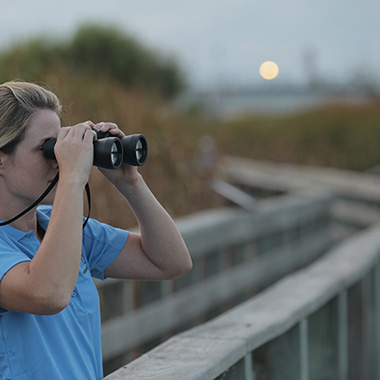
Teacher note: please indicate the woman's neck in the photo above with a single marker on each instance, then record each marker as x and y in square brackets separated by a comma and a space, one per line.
[25, 223]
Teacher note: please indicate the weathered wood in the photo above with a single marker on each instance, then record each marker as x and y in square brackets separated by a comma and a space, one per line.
[268, 316]
[303, 332]
[218, 240]
[323, 340]
[213, 230]
[248, 368]
[342, 338]
[175, 360]
[233, 194]
[300, 293]
[367, 318]
[234, 250]
[359, 215]
[237, 371]
[376, 322]
[146, 323]
[297, 178]
[280, 358]
[355, 333]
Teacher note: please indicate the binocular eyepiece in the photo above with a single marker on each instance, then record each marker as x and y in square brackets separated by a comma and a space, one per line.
[111, 151]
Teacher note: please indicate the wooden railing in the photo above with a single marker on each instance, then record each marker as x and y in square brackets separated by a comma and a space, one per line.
[357, 194]
[235, 254]
[238, 254]
[318, 323]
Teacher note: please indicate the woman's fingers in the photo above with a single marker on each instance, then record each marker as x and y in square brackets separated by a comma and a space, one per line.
[109, 127]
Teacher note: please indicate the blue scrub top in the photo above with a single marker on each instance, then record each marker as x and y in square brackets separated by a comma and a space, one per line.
[64, 346]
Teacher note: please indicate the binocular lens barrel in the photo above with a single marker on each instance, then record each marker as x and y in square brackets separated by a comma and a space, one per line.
[110, 152]
[135, 150]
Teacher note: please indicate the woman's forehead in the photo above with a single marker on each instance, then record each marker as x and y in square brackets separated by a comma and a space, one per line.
[43, 122]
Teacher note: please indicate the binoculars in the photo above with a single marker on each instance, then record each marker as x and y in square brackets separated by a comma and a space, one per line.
[110, 151]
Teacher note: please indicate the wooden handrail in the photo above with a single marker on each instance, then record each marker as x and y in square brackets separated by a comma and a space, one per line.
[217, 232]
[297, 178]
[318, 207]
[209, 350]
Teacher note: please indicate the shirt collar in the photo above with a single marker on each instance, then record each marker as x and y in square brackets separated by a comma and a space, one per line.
[14, 232]
[43, 216]
[42, 219]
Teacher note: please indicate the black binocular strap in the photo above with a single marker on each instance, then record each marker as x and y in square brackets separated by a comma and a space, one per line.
[46, 192]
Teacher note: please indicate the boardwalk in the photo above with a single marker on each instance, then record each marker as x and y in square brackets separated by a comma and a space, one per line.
[287, 290]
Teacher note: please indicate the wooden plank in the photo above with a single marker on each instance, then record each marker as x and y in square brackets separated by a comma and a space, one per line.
[356, 214]
[127, 297]
[237, 371]
[304, 210]
[175, 360]
[279, 359]
[242, 370]
[262, 319]
[323, 342]
[376, 322]
[367, 318]
[233, 194]
[303, 292]
[342, 336]
[355, 333]
[213, 230]
[303, 332]
[248, 368]
[296, 178]
[209, 231]
[125, 332]
[359, 342]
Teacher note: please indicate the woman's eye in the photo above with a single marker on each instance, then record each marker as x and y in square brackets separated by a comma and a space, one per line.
[42, 146]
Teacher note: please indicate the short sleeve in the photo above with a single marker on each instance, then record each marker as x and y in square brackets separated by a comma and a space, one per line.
[9, 260]
[102, 243]
[9, 257]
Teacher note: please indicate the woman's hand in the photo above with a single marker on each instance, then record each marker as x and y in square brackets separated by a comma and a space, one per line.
[75, 152]
[158, 252]
[126, 173]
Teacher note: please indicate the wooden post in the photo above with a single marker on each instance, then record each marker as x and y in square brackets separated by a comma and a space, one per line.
[358, 336]
[342, 336]
[376, 321]
[367, 318]
[324, 334]
[242, 370]
[280, 358]
[304, 349]
[249, 374]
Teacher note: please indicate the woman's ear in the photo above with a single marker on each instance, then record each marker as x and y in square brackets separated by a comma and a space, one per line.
[3, 159]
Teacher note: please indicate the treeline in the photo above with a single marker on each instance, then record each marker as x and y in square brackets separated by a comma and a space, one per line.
[96, 52]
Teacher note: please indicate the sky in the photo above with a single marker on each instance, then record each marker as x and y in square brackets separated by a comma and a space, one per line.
[224, 41]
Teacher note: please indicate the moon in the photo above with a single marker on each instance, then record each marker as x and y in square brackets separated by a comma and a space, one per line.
[269, 70]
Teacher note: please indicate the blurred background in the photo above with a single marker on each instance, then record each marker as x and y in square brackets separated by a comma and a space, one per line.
[287, 82]
[295, 81]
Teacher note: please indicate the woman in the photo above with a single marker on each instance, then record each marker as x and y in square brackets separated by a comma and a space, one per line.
[49, 307]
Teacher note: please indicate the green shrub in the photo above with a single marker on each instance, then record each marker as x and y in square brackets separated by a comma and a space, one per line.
[95, 51]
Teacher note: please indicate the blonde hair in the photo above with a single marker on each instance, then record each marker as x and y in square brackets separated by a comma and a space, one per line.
[18, 102]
